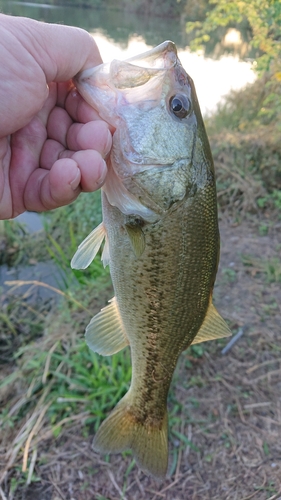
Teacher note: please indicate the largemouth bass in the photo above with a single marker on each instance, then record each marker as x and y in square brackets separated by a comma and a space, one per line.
[161, 240]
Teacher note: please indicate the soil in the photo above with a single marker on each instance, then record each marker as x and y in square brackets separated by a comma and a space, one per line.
[225, 409]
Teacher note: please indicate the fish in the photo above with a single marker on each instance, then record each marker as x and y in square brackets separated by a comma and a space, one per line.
[161, 240]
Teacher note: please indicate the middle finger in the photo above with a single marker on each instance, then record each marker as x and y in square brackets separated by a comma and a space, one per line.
[92, 135]
[79, 110]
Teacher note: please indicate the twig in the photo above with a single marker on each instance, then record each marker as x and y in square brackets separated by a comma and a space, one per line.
[257, 491]
[257, 405]
[233, 341]
[50, 432]
[112, 479]
[276, 497]
[17, 283]
[207, 427]
[251, 496]
[34, 431]
[3, 496]
[170, 485]
[31, 467]
[189, 437]
[268, 362]
[58, 490]
[240, 411]
[180, 454]
[141, 488]
[261, 377]
[156, 493]
[48, 361]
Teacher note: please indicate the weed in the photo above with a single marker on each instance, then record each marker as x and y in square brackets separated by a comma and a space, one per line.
[271, 199]
[72, 223]
[196, 381]
[197, 350]
[64, 381]
[265, 448]
[229, 274]
[270, 267]
[263, 229]
[12, 236]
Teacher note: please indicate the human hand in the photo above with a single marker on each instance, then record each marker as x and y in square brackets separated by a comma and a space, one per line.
[52, 143]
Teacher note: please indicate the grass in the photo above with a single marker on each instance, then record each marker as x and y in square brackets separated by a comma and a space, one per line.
[68, 380]
[58, 381]
[246, 149]
[13, 238]
[270, 267]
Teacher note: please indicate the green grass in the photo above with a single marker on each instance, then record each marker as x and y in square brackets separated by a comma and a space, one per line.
[13, 238]
[71, 380]
[270, 267]
[58, 382]
[82, 217]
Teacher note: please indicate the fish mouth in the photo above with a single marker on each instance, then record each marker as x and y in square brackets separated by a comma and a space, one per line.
[152, 62]
[164, 56]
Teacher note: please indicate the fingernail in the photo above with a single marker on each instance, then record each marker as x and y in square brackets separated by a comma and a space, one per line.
[74, 92]
[76, 181]
[103, 172]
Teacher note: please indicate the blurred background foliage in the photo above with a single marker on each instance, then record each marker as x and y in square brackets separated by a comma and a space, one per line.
[245, 129]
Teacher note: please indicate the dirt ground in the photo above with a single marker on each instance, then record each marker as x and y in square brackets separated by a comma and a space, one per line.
[225, 409]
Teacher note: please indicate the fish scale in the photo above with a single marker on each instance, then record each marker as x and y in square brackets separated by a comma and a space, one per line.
[162, 240]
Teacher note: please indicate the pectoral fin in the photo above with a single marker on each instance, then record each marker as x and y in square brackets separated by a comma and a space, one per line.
[137, 238]
[89, 248]
[105, 257]
[213, 327]
[105, 333]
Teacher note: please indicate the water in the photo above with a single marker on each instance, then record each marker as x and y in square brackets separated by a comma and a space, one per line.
[123, 34]
[34, 284]
[31, 220]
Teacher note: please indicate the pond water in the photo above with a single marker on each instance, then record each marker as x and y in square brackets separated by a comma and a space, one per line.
[121, 35]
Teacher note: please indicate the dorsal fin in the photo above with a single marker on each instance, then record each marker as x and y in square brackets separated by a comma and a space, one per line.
[105, 333]
[213, 327]
[89, 248]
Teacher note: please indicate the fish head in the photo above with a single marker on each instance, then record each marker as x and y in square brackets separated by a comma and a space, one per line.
[151, 102]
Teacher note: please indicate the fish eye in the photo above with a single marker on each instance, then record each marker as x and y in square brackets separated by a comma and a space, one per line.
[180, 106]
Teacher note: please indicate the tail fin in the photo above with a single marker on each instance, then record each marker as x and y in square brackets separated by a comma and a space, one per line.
[121, 431]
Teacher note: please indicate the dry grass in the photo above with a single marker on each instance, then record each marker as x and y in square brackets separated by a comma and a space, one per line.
[247, 169]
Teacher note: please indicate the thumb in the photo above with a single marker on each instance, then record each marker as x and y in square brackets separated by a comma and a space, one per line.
[60, 51]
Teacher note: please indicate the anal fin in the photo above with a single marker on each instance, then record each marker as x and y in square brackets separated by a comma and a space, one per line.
[213, 327]
[105, 333]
